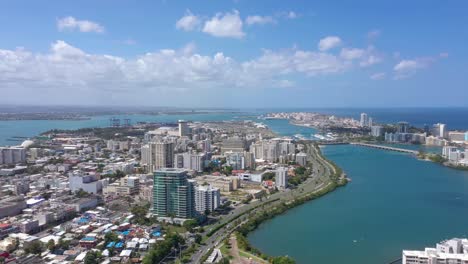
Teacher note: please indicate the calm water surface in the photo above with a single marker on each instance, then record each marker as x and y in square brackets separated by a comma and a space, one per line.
[394, 202]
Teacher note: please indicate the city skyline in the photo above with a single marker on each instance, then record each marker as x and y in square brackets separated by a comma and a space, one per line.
[195, 55]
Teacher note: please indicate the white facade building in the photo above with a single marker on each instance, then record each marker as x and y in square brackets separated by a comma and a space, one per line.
[207, 198]
[453, 251]
[236, 160]
[377, 131]
[191, 161]
[440, 130]
[88, 183]
[301, 159]
[281, 178]
[364, 122]
[184, 130]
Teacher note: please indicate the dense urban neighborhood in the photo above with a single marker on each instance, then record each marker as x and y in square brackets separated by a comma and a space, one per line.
[150, 192]
[185, 192]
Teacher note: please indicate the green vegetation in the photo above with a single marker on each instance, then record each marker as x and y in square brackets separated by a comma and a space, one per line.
[301, 174]
[436, 158]
[337, 175]
[227, 170]
[92, 257]
[247, 200]
[115, 133]
[207, 255]
[215, 229]
[190, 224]
[114, 176]
[81, 194]
[35, 247]
[161, 250]
[268, 176]
[283, 260]
[336, 180]
[51, 245]
[459, 167]
[111, 237]
[140, 213]
[244, 244]
[63, 244]
[187, 253]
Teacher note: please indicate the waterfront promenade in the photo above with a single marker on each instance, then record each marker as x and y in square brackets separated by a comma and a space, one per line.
[385, 147]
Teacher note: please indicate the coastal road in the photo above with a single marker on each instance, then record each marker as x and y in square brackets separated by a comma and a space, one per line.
[321, 173]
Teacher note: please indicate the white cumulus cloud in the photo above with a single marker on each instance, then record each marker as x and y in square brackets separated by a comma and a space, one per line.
[188, 22]
[225, 25]
[378, 76]
[260, 20]
[351, 53]
[70, 23]
[329, 42]
[69, 72]
[408, 67]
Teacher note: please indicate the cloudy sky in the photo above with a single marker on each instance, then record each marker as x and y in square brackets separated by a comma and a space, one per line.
[234, 53]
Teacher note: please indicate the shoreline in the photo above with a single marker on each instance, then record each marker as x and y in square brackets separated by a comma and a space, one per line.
[336, 179]
[424, 158]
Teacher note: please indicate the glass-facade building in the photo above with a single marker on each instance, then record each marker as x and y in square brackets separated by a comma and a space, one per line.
[173, 194]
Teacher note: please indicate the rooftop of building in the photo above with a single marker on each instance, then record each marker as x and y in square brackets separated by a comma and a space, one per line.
[170, 170]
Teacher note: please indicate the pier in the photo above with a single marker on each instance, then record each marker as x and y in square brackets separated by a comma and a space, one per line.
[385, 148]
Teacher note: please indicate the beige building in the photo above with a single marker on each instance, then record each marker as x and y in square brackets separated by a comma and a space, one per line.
[146, 193]
[224, 184]
[125, 187]
[157, 155]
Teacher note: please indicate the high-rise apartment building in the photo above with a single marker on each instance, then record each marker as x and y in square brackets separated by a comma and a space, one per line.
[12, 155]
[377, 131]
[184, 130]
[191, 161]
[157, 155]
[235, 159]
[402, 127]
[234, 144]
[281, 178]
[173, 194]
[207, 198]
[440, 130]
[364, 122]
[301, 159]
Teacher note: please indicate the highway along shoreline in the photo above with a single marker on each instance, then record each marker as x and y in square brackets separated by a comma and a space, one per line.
[325, 177]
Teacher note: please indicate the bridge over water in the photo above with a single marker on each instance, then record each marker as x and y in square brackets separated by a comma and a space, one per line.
[385, 147]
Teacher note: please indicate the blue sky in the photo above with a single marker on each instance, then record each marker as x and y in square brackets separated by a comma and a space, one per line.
[234, 53]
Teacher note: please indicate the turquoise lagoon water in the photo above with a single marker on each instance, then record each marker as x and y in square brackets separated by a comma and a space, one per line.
[393, 202]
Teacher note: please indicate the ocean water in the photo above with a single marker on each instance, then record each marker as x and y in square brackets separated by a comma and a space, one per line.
[393, 202]
[455, 118]
[30, 128]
